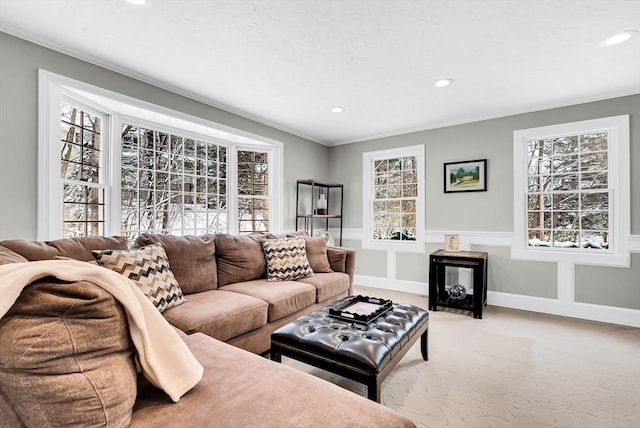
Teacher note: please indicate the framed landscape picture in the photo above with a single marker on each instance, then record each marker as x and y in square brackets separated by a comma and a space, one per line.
[465, 176]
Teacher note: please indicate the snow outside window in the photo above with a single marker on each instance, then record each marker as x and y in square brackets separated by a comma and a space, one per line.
[571, 195]
[393, 199]
[114, 165]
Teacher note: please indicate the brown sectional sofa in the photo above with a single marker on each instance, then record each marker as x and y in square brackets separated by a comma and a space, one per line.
[228, 299]
[223, 278]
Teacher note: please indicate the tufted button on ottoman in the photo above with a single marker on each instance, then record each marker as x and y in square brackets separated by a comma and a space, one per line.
[362, 352]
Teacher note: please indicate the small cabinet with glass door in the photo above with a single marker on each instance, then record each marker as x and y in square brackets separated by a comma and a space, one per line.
[455, 295]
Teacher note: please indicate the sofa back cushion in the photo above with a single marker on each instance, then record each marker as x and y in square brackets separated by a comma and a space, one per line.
[317, 254]
[31, 250]
[240, 258]
[8, 256]
[73, 248]
[80, 248]
[337, 257]
[66, 357]
[192, 259]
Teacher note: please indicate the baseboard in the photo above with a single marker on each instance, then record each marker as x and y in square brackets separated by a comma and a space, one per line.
[601, 313]
[608, 314]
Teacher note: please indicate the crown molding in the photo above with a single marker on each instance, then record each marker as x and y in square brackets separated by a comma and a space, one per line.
[83, 56]
[91, 59]
[502, 114]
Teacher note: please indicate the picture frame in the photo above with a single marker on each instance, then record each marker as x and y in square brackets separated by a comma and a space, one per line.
[465, 176]
[451, 243]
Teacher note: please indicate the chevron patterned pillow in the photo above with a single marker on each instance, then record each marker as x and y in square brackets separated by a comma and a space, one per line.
[148, 267]
[286, 259]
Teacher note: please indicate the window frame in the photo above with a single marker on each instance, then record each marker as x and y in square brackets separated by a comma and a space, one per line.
[141, 123]
[52, 88]
[368, 176]
[252, 196]
[103, 183]
[618, 152]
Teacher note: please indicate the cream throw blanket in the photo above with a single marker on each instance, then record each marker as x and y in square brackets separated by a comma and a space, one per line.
[165, 359]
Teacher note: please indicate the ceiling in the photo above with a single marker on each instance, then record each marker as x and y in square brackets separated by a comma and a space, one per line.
[286, 63]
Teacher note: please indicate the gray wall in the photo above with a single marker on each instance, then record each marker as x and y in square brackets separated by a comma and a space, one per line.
[491, 139]
[492, 211]
[609, 286]
[19, 126]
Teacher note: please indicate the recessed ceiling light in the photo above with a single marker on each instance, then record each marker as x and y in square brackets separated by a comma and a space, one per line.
[443, 83]
[136, 2]
[337, 109]
[618, 38]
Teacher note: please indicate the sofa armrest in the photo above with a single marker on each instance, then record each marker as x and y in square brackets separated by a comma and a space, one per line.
[343, 259]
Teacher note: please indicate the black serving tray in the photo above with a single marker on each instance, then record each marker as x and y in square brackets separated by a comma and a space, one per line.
[361, 309]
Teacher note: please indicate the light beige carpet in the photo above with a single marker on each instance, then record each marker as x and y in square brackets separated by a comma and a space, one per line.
[512, 369]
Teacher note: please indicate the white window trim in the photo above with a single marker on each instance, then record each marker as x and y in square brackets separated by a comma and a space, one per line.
[368, 158]
[52, 86]
[619, 183]
[274, 177]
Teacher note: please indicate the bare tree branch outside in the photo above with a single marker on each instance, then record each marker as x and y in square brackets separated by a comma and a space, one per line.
[568, 195]
[83, 193]
[171, 183]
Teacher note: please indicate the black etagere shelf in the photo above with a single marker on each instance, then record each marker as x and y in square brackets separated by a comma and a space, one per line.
[328, 213]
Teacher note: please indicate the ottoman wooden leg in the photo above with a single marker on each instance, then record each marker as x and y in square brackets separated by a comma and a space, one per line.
[276, 356]
[374, 389]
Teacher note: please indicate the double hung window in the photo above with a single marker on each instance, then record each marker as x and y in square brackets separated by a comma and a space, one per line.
[126, 167]
[171, 183]
[82, 136]
[393, 203]
[253, 191]
[572, 192]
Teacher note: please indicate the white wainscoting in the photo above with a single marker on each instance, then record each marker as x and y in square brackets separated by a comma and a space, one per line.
[564, 305]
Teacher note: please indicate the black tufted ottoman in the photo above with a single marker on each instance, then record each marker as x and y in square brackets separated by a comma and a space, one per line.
[365, 353]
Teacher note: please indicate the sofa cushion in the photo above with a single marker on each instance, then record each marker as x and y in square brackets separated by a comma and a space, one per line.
[8, 414]
[317, 254]
[148, 268]
[219, 314]
[240, 389]
[286, 259]
[240, 258]
[328, 285]
[66, 358]
[337, 257]
[31, 250]
[284, 297]
[74, 248]
[192, 259]
[81, 248]
[8, 256]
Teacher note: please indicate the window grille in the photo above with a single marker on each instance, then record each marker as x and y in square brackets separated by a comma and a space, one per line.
[171, 183]
[567, 192]
[253, 191]
[395, 191]
[83, 212]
